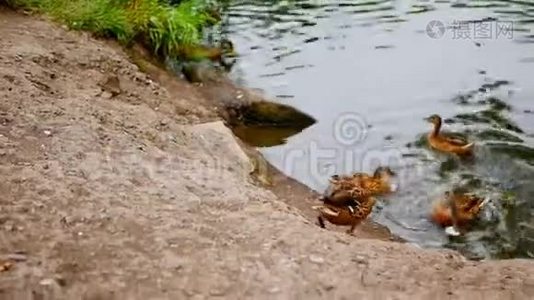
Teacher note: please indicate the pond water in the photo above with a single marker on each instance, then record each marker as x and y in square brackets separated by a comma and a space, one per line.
[370, 71]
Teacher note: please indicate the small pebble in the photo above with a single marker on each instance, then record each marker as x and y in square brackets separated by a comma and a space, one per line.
[360, 259]
[16, 257]
[47, 281]
[316, 259]
[47, 132]
[60, 280]
[217, 292]
[106, 95]
[329, 287]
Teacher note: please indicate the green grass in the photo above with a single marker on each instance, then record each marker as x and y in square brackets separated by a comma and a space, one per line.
[162, 27]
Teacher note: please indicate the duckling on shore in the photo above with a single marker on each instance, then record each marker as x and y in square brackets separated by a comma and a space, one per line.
[456, 210]
[445, 142]
[344, 191]
[345, 216]
[360, 185]
[349, 199]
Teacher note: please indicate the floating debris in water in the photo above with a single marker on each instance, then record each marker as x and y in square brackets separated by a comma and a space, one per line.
[498, 135]
[489, 116]
[280, 56]
[448, 165]
[311, 40]
[285, 96]
[295, 67]
[498, 104]
[272, 74]
[514, 150]
[419, 8]
[384, 47]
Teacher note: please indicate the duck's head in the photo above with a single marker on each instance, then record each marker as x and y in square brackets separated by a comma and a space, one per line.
[447, 196]
[434, 119]
[450, 195]
[383, 173]
[227, 47]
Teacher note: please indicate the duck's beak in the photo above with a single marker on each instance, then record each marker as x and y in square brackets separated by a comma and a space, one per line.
[486, 200]
[452, 231]
[231, 54]
[427, 119]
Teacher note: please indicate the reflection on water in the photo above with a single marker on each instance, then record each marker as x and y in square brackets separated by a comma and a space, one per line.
[390, 64]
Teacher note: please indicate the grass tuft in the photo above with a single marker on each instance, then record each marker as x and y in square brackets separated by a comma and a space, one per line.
[162, 26]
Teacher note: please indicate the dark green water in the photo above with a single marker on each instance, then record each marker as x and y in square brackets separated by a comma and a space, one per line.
[370, 71]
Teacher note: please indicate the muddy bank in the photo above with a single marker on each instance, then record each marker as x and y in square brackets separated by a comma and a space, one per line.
[143, 194]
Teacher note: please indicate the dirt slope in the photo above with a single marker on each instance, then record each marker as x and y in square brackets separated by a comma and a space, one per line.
[124, 197]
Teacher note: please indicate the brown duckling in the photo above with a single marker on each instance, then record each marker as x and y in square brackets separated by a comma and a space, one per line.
[378, 184]
[344, 191]
[342, 187]
[215, 54]
[456, 210]
[214, 15]
[201, 71]
[445, 142]
[344, 216]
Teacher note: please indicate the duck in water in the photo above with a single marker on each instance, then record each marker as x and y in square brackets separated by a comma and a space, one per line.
[445, 142]
[456, 211]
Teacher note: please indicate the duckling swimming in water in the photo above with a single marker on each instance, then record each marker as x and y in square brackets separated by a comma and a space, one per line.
[445, 142]
[456, 210]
